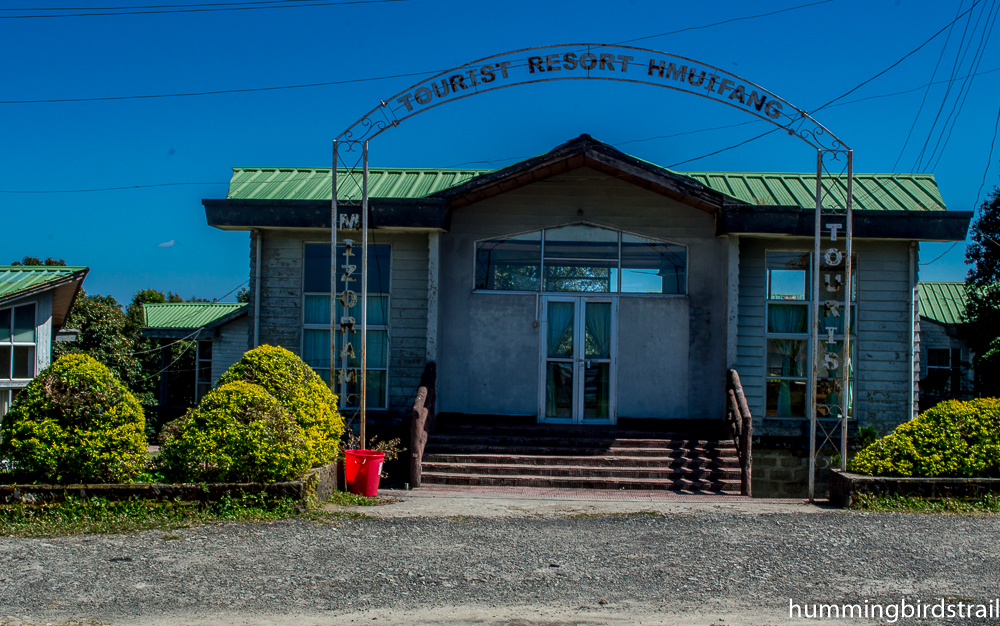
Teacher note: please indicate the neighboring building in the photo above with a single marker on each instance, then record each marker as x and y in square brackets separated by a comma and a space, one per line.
[588, 289]
[945, 361]
[34, 304]
[219, 333]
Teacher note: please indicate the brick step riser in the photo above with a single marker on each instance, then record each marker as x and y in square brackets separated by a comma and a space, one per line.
[566, 431]
[433, 447]
[728, 487]
[581, 472]
[580, 442]
[586, 461]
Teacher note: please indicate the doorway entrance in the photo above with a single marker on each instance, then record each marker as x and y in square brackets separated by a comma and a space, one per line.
[578, 358]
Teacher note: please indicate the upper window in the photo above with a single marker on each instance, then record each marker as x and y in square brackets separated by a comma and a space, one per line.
[581, 258]
[17, 342]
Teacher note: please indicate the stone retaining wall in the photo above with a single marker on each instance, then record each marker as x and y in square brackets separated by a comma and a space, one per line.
[844, 487]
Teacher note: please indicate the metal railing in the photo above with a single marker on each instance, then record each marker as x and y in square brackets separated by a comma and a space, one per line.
[422, 424]
[741, 426]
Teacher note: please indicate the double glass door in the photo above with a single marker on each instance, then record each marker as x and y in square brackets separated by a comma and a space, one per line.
[577, 355]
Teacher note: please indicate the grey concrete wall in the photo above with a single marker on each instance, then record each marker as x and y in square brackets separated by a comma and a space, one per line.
[229, 346]
[281, 300]
[883, 333]
[653, 375]
[501, 375]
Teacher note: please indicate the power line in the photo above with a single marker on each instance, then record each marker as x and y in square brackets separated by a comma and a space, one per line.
[161, 11]
[938, 257]
[154, 6]
[928, 90]
[359, 80]
[988, 160]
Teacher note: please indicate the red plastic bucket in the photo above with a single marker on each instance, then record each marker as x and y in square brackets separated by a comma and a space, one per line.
[363, 470]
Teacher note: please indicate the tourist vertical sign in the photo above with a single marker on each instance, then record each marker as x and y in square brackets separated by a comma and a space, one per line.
[831, 366]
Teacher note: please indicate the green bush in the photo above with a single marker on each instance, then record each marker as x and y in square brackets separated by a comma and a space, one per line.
[75, 422]
[952, 439]
[300, 391]
[239, 433]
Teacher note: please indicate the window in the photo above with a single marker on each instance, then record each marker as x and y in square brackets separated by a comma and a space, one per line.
[316, 321]
[581, 258]
[17, 342]
[204, 369]
[6, 399]
[787, 336]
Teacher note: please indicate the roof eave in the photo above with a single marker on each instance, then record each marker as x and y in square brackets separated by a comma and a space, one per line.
[795, 221]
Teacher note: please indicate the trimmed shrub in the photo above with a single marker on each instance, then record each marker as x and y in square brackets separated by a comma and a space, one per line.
[300, 391]
[75, 422]
[239, 433]
[952, 439]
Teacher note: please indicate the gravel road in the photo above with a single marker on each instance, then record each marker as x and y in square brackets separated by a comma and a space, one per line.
[725, 567]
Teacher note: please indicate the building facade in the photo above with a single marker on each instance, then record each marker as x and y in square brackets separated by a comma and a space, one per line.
[586, 287]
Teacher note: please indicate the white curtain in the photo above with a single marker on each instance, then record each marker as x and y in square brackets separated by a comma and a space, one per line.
[598, 321]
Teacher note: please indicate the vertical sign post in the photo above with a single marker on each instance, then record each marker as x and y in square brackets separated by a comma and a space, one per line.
[364, 288]
[333, 278]
[831, 365]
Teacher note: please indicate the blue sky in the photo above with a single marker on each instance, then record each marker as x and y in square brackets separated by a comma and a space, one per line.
[157, 236]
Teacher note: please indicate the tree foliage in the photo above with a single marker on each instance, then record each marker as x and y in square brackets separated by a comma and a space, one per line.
[35, 261]
[983, 286]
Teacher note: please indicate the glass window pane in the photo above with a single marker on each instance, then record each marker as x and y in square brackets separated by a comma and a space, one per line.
[560, 329]
[511, 264]
[317, 267]
[559, 389]
[317, 310]
[205, 372]
[650, 266]
[829, 320]
[786, 398]
[939, 358]
[596, 390]
[5, 362]
[786, 357]
[5, 317]
[24, 323]
[581, 242]
[24, 362]
[205, 350]
[378, 311]
[378, 349]
[787, 318]
[830, 359]
[375, 384]
[597, 331]
[786, 275]
[586, 276]
[316, 348]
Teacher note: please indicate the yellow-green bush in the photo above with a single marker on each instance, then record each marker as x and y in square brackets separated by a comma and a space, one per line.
[952, 439]
[300, 391]
[239, 433]
[75, 422]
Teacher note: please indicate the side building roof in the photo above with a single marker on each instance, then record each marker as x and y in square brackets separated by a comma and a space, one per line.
[943, 302]
[191, 320]
[18, 282]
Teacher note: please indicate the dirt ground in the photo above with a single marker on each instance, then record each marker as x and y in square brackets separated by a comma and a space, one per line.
[501, 558]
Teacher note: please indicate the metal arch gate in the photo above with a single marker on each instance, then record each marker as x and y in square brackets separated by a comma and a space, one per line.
[830, 395]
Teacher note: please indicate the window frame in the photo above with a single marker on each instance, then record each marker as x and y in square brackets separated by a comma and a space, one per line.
[9, 382]
[806, 336]
[387, 326]
[542, 264]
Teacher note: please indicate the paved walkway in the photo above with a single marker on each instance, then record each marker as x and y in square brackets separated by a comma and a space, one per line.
[455, 501]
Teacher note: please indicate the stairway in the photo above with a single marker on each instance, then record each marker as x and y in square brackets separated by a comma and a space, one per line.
[636, 454]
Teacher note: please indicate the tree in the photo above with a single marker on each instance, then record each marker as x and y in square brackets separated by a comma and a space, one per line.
[983, 286]
[243, 295]
[34, 261]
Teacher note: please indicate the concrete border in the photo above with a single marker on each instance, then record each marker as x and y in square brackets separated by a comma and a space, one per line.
[844, 487]
[317, 484]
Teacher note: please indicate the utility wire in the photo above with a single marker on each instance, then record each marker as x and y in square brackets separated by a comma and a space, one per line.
[359, 80]
[938, 257]
[153, 6]
[161, 11]
[989, 160]
[928, 89]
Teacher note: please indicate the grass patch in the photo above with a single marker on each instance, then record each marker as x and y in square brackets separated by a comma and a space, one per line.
[100, 516]
[346, 498]
[988, 504]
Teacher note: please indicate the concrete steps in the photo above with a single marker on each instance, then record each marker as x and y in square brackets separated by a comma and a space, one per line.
[588, 457]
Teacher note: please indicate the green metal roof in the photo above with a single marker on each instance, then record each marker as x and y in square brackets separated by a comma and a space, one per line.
[943, 302]
[188, 314]
[879, 192]
[304, 183]
[14, 279]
